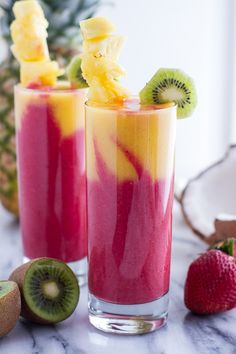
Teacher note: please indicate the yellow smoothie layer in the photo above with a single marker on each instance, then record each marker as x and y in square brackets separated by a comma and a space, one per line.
[67, 106]
[106, 127]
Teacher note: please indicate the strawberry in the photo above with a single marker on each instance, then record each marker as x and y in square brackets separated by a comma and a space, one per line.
[211, 281]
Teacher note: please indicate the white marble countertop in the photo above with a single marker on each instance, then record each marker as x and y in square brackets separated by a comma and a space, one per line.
[184, 333]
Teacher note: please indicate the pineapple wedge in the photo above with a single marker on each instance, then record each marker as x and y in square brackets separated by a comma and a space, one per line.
[101, 50]
[42, 73]
[109, 92]
[23, 9]
[29, 32]
[96, 27]
[29, 35]
[30, 45]
[109, 47]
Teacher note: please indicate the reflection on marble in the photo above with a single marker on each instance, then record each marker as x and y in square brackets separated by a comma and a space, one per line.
[184, 334]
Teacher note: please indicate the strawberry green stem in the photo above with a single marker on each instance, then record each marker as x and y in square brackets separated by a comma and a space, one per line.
[226, 246]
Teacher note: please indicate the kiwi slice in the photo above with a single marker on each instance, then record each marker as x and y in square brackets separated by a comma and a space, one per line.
[10, 306]
[49, 290]
[171, 85]
[74, 73]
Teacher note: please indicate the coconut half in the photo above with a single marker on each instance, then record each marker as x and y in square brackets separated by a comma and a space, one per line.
[208, 201]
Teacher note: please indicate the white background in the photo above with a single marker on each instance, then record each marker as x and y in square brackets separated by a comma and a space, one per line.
[198, 37]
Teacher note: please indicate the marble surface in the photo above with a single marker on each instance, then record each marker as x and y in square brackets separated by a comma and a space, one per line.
[184, 334]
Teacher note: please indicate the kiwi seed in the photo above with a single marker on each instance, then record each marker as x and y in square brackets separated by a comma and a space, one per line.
[10, 306]
[49, 290]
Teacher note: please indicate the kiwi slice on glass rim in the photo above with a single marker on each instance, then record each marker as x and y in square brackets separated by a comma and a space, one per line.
[74, 73]
[49, 290]
[171, 85]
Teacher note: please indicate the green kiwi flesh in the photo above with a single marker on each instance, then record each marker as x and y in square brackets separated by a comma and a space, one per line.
[10, 306]
[74, 73]
[49, 290]
[171, 85]
[6, 287]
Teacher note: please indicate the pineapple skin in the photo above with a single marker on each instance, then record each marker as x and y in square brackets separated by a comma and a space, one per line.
[64, 41]
[8, 170]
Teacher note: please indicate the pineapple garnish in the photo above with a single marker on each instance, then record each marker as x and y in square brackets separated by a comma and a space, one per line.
[96, 27]
[40, 72]
[101, 49]
[29, 35]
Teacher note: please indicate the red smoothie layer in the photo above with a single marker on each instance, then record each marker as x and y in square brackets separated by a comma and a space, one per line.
[52, 186]
[130, 229]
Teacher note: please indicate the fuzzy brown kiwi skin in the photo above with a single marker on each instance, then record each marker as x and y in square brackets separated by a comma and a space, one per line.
[18, 276]
[10, 307]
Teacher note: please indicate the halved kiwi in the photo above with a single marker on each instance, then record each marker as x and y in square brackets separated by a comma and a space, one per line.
[74, 73]
[171, 85]
[10, 306]
[49, 290]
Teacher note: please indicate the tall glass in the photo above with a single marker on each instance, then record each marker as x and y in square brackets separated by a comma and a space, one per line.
[129, 158]
[51, 174]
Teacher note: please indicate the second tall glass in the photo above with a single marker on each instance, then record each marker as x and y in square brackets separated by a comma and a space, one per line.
[130, 175]
[51, 174]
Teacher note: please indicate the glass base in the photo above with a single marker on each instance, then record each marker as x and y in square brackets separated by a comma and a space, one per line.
[80, 268]
[128, 319]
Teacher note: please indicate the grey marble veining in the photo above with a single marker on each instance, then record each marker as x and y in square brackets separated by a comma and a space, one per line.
[184, 334]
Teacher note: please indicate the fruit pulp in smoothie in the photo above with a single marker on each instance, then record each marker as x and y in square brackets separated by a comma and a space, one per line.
[130, 153]
[52, 182]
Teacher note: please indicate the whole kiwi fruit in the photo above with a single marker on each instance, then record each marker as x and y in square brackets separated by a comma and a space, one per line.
[10, 306]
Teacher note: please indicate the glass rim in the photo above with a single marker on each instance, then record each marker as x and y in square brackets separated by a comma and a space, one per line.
[54, 90]
[126, 109]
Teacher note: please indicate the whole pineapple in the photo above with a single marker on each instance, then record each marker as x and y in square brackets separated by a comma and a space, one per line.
[64, 41]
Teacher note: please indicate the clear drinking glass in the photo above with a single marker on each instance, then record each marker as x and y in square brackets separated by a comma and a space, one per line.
[130, 175]
[51, 174]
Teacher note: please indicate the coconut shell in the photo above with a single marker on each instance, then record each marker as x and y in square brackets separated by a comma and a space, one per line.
[224, 229]
[215, 189]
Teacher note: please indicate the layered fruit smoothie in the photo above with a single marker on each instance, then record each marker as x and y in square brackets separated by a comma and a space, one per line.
[50, 146]
[52, 183]
[130, 146]
[130, 153]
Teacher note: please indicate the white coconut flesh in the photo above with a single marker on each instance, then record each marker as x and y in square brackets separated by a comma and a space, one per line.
[211, 195]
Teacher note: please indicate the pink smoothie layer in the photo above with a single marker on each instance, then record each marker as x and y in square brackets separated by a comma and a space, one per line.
[52, 187]
[130, 229]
